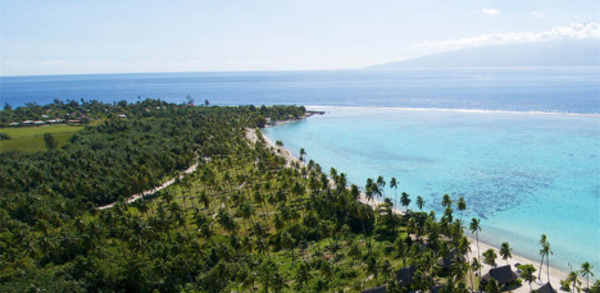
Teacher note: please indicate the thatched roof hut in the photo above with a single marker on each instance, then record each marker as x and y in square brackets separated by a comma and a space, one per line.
[546, 288]
[405, 276]
[502, 275]
[380, 289]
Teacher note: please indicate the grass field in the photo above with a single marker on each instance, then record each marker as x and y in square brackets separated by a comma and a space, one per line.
[31, 139]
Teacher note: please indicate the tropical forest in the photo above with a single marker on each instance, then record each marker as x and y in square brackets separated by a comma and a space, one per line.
[159, 197]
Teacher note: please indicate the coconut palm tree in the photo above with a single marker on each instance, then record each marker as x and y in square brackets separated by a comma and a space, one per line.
[542, 242]
[381, 184]
[405, 200]
[586, 271]
[462, 205]
[527, 274]
[572, 279]
[420, 202]
[394, 185]
[505, 250]
[474, 227]
[446, 201]
[303, 275]
[546, 252]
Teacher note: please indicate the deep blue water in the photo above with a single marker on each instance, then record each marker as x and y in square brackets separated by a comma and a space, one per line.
[566, 90]
[478, 133]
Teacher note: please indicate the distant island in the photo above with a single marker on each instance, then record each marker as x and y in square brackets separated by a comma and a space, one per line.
[544, 54]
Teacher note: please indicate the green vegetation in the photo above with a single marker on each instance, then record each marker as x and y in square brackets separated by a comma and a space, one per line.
[31, 139]
[242, 222]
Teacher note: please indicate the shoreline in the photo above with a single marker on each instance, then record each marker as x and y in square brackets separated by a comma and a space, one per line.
[556, 274]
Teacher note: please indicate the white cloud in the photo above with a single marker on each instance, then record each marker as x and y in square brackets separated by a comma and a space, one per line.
[490, 11]
[573, 31]
[537, 14]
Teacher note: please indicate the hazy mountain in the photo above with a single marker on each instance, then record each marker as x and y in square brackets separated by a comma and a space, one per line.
[562, 53]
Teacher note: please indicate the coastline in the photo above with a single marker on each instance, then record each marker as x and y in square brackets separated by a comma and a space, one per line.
[556, 275]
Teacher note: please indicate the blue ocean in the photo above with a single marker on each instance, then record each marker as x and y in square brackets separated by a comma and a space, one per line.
[521, 145]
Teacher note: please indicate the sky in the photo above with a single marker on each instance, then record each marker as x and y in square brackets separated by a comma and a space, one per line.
[84, 36]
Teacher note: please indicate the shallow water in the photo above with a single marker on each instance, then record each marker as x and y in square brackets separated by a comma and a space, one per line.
[522, 174]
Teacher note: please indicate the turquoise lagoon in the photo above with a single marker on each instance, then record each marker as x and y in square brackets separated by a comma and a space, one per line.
[522, 173]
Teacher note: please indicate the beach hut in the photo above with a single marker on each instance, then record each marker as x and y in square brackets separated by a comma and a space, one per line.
[380, 289]
[502, 275]
[546, 288]
[405, 276]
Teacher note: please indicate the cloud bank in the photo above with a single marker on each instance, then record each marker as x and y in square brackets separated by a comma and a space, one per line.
[491, 11]
[574, 31]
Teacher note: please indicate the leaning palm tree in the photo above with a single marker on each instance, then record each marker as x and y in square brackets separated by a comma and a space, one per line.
[474, 227]
[505, 251]
[586, 271]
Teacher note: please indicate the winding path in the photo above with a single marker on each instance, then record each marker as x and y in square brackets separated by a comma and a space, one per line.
[166, 184]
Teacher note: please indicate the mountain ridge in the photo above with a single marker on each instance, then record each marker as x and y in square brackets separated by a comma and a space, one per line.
[543, 54]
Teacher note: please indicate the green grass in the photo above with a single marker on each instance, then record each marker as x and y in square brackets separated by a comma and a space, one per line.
[31, 139]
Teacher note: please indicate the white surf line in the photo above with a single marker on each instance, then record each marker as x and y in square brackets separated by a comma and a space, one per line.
[457, 110]
[166, 184]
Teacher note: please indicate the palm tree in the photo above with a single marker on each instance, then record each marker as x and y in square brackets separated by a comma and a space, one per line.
[394, 185]
[475, 266]
[527, 274]
[474, 227]
[405, 200]
[542, 242]
[505, 250]
[446, 201]
[381, 183]
[303, 274]
[420, 202]
[545, 252]
[548, 252]
[401, 249]
[462, 205]
[586, 271]
[572, 278]
[376, 190]
[489, 257]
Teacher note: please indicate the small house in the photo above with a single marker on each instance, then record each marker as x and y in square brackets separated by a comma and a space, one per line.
[406, 275]
[502, 275]
[380, 289]
[546, 288]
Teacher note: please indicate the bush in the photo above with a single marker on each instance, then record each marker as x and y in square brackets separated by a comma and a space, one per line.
[565, 285]
[4, 136]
